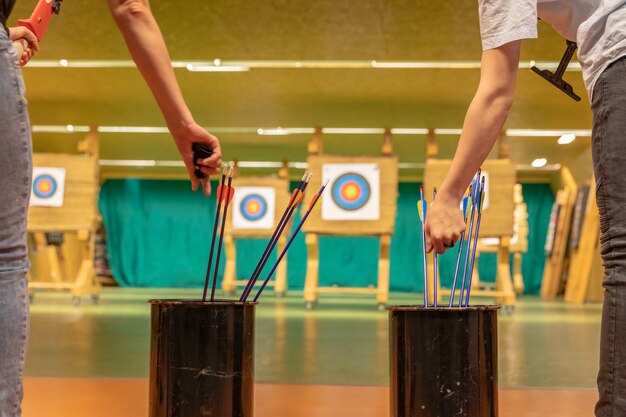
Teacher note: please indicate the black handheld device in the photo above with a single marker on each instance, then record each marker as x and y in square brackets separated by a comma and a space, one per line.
[556, 78]
[200, 151]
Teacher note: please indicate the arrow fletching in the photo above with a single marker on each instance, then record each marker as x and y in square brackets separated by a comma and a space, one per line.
[420, 211]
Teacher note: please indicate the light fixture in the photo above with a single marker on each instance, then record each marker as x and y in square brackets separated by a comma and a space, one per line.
[539, 163]
[566, 138]
[216, 68]
[546, 132]
[287, 64]
[273, 132]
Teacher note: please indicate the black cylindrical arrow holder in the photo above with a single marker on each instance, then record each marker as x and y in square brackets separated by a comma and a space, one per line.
[443, 361]
[201, 358]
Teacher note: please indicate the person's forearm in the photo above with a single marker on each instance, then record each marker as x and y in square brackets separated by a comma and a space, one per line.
[484, 119]
[147, 47]
[483, 124]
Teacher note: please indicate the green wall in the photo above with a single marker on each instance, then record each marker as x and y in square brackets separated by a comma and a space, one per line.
[159, 233]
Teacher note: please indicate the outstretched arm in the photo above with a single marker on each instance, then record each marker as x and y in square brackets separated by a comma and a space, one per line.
[147, 47]
[483, 123]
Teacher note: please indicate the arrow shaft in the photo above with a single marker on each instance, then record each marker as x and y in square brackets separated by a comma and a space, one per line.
[266, 251]
[221, 241]
[291, 239]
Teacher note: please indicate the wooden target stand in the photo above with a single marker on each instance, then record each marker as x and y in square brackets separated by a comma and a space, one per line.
[280, 184]
[584, 280]
[518, 243]
[556, 262]
[497, 219]
[383, 228]
[67, 266]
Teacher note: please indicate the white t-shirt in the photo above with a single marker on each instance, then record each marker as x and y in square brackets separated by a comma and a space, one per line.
[597, 26]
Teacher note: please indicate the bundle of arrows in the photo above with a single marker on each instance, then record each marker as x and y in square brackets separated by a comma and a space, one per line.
[472, 209]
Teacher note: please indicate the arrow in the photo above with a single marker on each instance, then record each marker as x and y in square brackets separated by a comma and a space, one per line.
[217, 217]
[296, 198]
[435, 260]
[422, 208]
[293, 236]
[471, 228]
[229, 191]
[466, 207]
[481, 199]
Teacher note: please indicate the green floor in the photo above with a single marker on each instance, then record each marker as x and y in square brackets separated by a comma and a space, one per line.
[343, 341]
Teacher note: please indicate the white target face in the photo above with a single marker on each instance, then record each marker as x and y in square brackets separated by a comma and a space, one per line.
[48, 187]
[254, 208]
[353, 192]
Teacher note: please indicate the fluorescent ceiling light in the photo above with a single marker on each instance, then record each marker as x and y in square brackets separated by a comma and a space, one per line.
[273, 132]
[353, 131]
[545, 133]
[59, 129]
[127, 162]
[409, 131]
[566, 138]
[149, 163]
[448, 131]
[132, 129]
[280, 131]
[539, 163]
[217, 68]
[259, 164]
[211, 66]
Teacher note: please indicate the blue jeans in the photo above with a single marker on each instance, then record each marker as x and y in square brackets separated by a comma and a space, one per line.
[15, 179]
[609, 160]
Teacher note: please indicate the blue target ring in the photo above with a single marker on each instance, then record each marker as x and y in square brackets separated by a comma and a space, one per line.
[351, 191]
[44, 186]
[253, 207]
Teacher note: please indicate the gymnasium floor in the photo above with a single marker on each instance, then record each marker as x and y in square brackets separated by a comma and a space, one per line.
[308, 363]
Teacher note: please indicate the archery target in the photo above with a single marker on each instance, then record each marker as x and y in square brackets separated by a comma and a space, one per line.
[48, 187]
[354, 192]
[254, 208]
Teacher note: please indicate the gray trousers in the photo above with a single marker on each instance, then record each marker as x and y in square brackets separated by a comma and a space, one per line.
[609, 160]
[15, 178]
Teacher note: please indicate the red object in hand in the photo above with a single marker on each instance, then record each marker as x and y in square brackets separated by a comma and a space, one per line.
[39, 20]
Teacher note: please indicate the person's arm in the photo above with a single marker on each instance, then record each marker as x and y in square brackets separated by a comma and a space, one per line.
[147, 47]
[483, 123]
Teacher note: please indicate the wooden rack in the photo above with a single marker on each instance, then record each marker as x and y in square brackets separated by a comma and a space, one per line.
[383, 227]
[62, 239]
[280, 184]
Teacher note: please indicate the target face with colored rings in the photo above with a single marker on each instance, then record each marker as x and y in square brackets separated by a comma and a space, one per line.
[351, 191]
[44, 186]
[253, 207]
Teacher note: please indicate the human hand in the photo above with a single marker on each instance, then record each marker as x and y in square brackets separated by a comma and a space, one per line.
[444, 223]
[25, 43]
[209, 166]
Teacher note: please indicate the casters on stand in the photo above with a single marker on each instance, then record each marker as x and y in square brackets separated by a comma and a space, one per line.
[382, 306]
[509, 309]
[310, 305]
[95, 298]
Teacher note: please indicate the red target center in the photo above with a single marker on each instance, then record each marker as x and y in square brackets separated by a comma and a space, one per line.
[351, 191]
[253, 207]
[44, 186]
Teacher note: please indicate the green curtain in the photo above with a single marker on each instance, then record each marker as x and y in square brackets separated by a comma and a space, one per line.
[158, 235]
